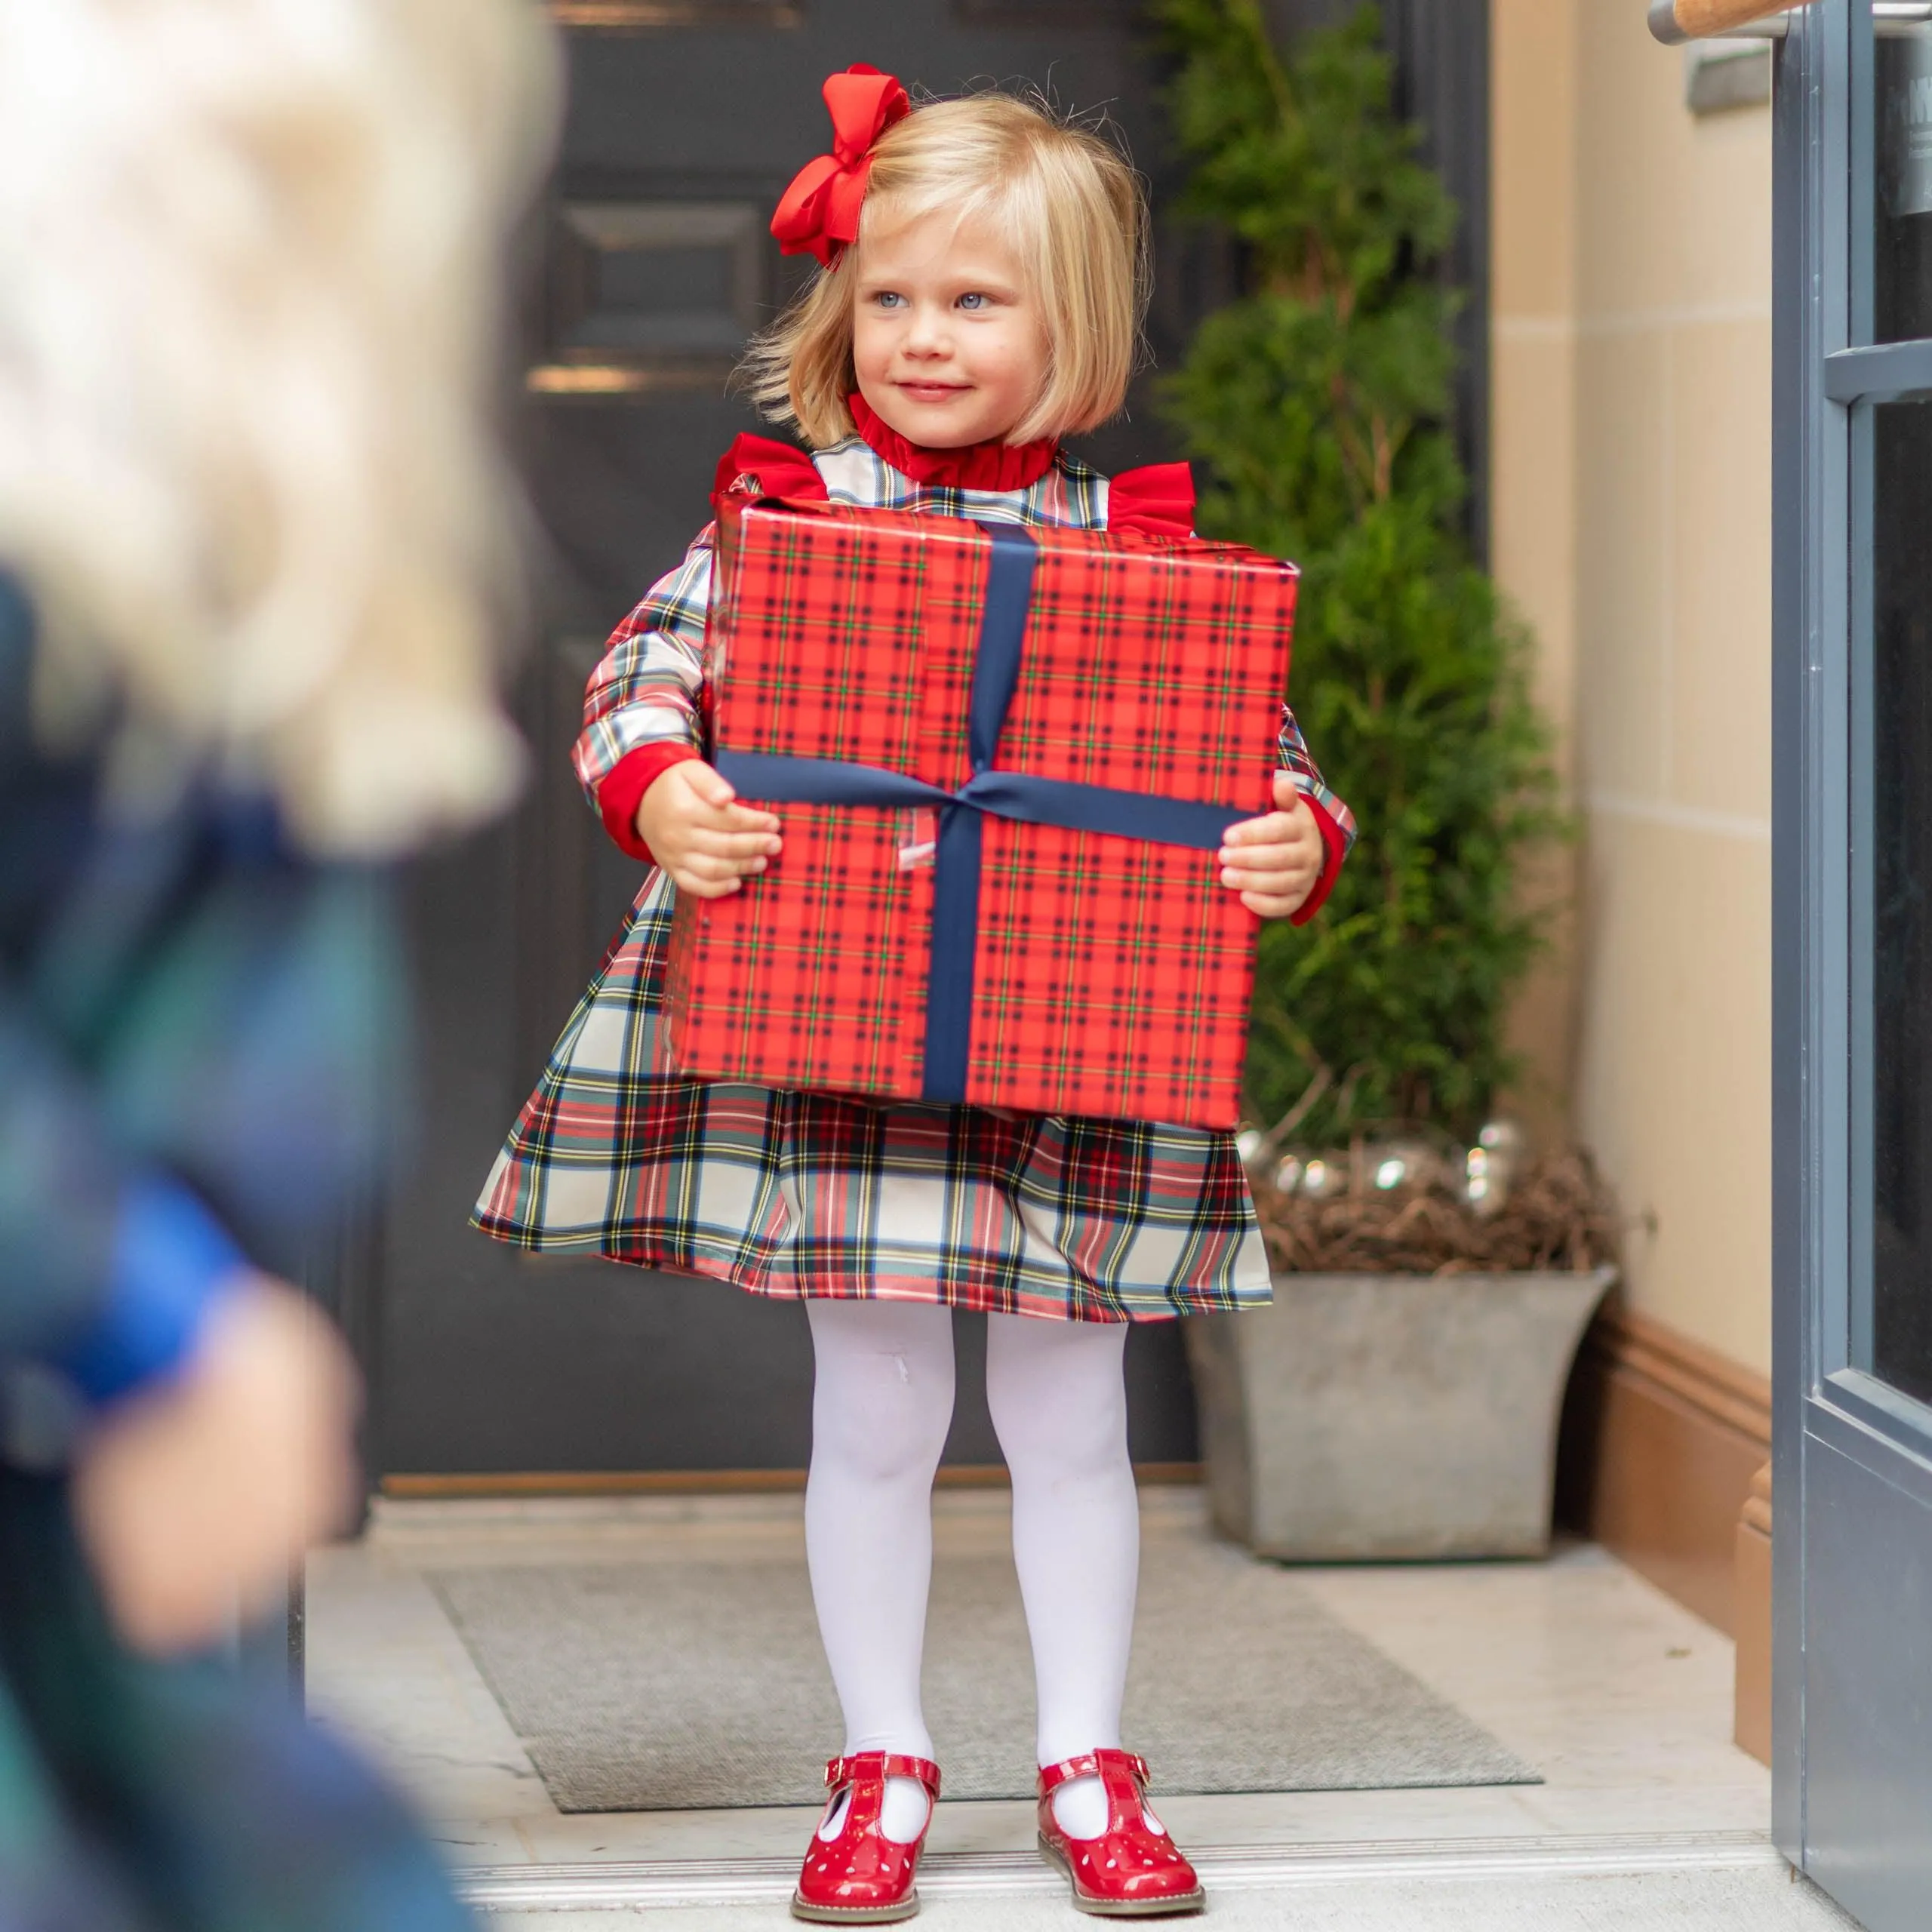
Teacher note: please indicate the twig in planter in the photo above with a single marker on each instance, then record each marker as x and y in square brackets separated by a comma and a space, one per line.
[1345, 1101]
[1296, 1114]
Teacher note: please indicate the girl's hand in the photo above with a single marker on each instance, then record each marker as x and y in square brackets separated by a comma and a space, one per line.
[1273, 863]
[700, 835]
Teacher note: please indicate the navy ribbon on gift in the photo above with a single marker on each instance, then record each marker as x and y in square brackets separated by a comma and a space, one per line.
[774, 778]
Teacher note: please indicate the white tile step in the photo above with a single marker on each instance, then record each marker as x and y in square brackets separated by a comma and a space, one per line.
[1693, 1881]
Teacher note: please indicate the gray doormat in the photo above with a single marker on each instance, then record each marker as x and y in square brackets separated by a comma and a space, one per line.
[668, 1687]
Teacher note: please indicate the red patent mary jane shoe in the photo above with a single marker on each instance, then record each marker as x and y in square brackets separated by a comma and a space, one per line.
[861, 1877]
[1131, 1871]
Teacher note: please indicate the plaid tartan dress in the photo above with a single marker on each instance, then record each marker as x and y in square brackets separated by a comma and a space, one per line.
[793, 1194]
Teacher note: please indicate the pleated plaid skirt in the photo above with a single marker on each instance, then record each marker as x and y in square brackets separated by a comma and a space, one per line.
[800, 1194]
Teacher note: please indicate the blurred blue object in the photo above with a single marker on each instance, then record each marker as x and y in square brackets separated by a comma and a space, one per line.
[170, 1257]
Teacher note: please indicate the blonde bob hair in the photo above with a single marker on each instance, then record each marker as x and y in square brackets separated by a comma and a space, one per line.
[250, 253]
[1075, 214]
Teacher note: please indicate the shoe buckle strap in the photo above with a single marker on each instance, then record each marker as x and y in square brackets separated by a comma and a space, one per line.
[1092, 1765]
[882, 1765]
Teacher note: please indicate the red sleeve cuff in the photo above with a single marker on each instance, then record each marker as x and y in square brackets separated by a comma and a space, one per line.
[1336, 849]
[623, 789]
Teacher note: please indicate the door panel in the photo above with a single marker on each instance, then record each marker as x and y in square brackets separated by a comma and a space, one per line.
[1869, 1740]
[1902, 189]
[1892, 1322]
[666, 287]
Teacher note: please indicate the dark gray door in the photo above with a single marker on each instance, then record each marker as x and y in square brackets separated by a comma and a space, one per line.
[686, 119]
[1853, 780]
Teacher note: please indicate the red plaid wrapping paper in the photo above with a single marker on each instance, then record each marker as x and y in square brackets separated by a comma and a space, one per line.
[1113, 975]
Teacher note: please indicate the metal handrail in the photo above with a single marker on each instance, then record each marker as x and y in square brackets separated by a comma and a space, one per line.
[1674, 21]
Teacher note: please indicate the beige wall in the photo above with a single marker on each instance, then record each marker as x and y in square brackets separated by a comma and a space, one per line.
[1632, 511]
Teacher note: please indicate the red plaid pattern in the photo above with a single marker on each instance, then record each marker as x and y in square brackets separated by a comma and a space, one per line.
[792, 1194]
[1113, 975]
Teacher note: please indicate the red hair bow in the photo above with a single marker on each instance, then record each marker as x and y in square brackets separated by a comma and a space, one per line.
[819, 213]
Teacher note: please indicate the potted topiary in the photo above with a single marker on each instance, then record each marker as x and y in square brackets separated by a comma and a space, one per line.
[1401, 1399]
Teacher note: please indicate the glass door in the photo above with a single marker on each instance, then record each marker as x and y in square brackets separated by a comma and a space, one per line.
[1853, 973]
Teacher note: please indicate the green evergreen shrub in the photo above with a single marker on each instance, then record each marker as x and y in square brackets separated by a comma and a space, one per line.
[1320, 405]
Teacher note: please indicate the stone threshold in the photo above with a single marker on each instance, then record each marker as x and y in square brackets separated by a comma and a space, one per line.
[726, 1881]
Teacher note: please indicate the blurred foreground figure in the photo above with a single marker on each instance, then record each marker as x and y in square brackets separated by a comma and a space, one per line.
[250, 513]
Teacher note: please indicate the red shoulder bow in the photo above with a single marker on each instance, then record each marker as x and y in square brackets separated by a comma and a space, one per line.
[819, 213]
[779, 469]
[1157, 500]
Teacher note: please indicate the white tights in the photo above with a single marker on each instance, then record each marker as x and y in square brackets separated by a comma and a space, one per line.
[881, 1406]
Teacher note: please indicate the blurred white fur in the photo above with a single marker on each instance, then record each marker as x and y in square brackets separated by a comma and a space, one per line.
[249, 259]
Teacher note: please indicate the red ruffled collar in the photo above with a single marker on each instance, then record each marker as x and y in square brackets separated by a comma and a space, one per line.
[978, 466]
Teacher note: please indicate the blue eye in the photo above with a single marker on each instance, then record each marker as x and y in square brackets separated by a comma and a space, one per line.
[886, 298]
[974, 301]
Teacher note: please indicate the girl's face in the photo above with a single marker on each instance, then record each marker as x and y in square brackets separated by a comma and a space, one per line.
[947, 339]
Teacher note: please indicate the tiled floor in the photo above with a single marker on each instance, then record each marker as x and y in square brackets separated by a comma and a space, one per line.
[1648, 1817]
[1621, 1698]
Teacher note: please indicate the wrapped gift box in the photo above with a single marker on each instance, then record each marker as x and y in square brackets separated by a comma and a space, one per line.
[1004, 757]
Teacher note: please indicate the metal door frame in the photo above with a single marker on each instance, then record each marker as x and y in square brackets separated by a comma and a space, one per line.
[1805, 856]
[1825, 385]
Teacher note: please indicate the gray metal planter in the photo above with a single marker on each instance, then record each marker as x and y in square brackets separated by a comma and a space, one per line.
[1380, 1416]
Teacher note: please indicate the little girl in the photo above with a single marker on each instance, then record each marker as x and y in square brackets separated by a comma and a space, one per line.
[982, 275]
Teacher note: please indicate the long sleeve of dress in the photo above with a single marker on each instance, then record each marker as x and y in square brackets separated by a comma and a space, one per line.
[1332, 819]
[642, 710]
